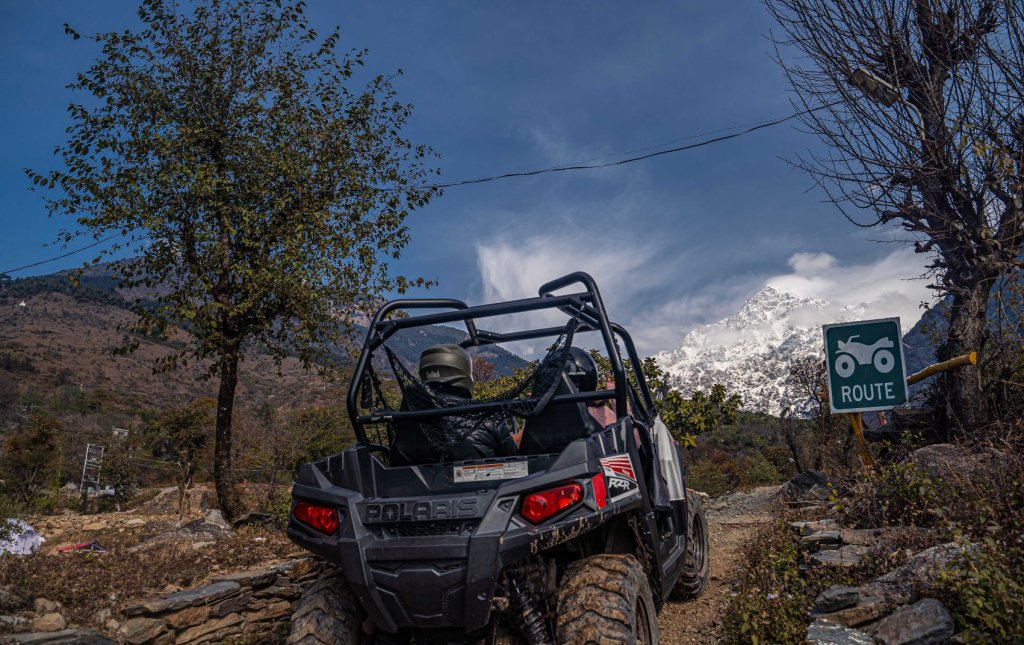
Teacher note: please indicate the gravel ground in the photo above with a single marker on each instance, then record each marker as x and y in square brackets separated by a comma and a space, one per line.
[732, 520]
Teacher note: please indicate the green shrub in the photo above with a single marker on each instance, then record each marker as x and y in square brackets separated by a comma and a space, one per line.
[899, 495]
[713, 477]
[758, 471]
[771, 602]
[985, 588]
[279, 505]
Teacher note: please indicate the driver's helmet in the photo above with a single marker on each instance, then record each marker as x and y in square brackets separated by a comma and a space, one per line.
[448, 369]
[582, 370]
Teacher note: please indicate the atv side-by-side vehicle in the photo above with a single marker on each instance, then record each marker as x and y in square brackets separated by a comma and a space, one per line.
[580, 536]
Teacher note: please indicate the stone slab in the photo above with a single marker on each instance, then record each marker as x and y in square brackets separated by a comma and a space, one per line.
[824, 632]
[926, 622]
[187, 598]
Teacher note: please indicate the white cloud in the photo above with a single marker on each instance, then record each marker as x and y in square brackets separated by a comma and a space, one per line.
[512, 270]
[640, 293]
[891, 286]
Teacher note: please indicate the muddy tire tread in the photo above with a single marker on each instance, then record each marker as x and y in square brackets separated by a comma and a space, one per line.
[326, 614]
[596, 600]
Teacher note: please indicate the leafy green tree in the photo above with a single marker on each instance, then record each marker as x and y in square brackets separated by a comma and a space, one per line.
[317, 433]
[32, 460]
[262, 194]
[120, 469]
[688, 417]
[183, 435]
[684, 417]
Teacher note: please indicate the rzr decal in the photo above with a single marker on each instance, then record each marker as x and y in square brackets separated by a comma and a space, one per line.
[620, 465]
[620, 476]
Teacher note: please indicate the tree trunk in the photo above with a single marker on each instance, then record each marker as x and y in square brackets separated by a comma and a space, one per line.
[968, 332]
[222, 476]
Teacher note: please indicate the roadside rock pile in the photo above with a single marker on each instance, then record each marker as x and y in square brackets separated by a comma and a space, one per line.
[892, 609]
[249, 603]
[255, 605]
[45, 620]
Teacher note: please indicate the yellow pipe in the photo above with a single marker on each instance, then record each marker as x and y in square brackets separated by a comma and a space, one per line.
[959, 361]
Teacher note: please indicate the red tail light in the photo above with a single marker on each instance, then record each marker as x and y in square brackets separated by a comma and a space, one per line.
[541, 505]
[322, 518]
[600, 490]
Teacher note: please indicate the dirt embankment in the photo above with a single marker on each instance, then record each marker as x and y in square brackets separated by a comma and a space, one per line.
[732, 521]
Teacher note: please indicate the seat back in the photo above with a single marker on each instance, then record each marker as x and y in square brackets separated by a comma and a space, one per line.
[409, 444]
[558, 424]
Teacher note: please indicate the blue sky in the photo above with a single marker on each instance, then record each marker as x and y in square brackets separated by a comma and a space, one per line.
[675, 241]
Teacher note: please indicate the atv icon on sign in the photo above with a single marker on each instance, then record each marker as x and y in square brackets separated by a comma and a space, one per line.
[876, 354]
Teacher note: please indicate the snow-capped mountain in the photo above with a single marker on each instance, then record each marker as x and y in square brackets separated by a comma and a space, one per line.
[749, 352]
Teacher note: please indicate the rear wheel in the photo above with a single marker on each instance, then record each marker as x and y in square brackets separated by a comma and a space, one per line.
[693, 579]
[606, 598]
[327, 614]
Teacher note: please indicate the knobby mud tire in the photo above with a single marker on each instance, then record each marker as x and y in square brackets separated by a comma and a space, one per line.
[606, 599]
[327, 614]
[693, 578]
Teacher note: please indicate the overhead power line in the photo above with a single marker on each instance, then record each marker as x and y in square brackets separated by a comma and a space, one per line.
[574, 166]
[64, 255]
[589, 166]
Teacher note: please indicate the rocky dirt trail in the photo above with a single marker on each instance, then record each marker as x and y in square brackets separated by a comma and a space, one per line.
[732, 521]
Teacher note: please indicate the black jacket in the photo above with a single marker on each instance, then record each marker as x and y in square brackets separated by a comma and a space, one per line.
[411, 445]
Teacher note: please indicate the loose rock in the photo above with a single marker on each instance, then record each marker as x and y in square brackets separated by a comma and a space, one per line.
[64, 637]
[847, 555]
[142, 630]
[923, 623]
[187, 598]
[215, 518]
[836, 598]
[50, 622]
[823, 632]
[921, 569]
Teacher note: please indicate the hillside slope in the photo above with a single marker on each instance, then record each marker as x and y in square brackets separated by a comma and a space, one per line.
[52, 331]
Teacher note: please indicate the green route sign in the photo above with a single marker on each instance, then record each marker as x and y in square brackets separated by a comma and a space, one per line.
[866, 370]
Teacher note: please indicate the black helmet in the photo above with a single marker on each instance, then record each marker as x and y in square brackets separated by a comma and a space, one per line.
[448, 365]
[582, 370]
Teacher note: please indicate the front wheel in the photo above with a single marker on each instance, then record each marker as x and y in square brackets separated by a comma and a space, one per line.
[606, 599]
[693, 578]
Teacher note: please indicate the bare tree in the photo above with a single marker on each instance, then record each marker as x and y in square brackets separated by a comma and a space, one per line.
[919, 103]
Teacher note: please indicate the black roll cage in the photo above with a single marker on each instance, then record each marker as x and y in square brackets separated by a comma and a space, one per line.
[586, 307]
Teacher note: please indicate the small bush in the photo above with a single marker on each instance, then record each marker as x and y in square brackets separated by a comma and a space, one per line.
[985, 588]
[771, 601]
[279, 505]
[713, 477]
[898, 495]
[758, 471]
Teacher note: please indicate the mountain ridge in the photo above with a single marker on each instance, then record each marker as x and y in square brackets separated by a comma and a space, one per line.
[750, 351]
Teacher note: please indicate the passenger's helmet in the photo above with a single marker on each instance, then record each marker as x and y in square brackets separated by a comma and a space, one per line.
[582, 370]
[449, 366]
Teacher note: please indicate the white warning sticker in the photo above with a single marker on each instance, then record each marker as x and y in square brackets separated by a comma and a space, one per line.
[491, 472]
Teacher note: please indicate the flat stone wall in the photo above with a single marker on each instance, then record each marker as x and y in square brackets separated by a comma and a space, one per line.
[250, 606]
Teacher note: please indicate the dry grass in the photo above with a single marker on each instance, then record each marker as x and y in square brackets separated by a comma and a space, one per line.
[87, 583]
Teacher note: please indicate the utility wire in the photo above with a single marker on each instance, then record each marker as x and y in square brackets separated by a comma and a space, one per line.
[580, 165]
[65, 255]
[621, 162]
